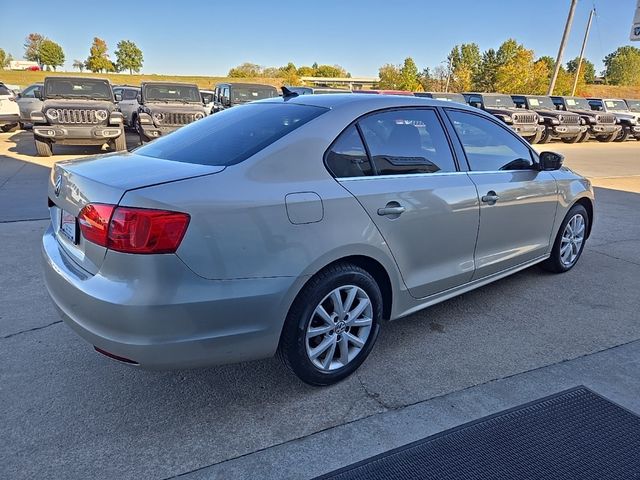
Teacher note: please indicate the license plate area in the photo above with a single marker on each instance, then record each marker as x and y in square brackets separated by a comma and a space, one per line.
[69, 227]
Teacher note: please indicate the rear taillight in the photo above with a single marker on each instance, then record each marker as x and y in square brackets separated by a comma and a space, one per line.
[133, 230]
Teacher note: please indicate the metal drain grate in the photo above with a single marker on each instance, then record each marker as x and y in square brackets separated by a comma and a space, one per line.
[575, 434]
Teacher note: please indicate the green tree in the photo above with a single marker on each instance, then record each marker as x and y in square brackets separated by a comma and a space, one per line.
[587, 69]
[409, 78]
[246, 70]
[98, 59]
[5, 58]
[390, 77]
[79, 64]
[465, 62]
[623, 66]
[485, 78]
[549, 62]
[306, 71]
[32, 46]
[330, 71]
[128, 56]
[51, 54]
[289, 74]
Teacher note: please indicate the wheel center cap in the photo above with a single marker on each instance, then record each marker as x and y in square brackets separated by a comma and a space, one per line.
[341, 326]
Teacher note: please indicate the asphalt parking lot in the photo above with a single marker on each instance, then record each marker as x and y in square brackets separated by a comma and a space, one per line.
[67, 412]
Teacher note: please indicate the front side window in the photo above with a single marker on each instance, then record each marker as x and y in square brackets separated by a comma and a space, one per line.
[233, 135]
[30, 92]
[488, 146]
[348, 157]
[407, 141]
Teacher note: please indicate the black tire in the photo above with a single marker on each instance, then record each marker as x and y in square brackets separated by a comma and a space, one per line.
[546, 136]
[554, 263]
[607, 138]
[10, 128]
[575, 139]
[43, 147]
[622, 136]
[120, 143]
[584, 137]
[292, 348]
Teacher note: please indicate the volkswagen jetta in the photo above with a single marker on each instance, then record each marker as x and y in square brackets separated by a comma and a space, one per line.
[296, 225]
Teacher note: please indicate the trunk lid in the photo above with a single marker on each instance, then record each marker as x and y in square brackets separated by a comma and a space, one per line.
[105, 179]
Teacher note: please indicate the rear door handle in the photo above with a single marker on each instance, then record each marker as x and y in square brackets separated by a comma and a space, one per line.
[491, 197]
[391, 210]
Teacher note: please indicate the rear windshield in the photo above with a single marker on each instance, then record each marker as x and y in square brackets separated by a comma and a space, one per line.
[233, 135]
[90, 88]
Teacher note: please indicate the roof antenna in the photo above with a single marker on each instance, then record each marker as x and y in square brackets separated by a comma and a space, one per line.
[286, 93]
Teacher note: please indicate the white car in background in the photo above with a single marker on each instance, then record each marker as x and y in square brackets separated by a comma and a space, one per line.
[28, 102]
[207, 100]
[127, 99]
[9, 112]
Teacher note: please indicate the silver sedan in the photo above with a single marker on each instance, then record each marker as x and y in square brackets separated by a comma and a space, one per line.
[296, 225]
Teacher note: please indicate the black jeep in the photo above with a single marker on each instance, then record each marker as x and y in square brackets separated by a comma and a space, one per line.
[528, 124]
[566, 126]
[231, 94]
[77, 111]
[602, 126]
[165, 107]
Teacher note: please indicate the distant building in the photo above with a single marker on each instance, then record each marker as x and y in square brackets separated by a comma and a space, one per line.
[23, 65]
[354, 83]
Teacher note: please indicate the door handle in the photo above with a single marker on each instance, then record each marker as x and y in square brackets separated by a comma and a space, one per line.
[391, 210]
[491, 197]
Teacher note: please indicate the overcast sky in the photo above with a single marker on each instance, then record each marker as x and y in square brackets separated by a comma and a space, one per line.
[208, 37]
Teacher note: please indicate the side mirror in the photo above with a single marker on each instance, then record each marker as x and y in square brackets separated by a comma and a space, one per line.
[550, 161]
[139, 98]
[118, 97]
[475, 104]
[38, 94]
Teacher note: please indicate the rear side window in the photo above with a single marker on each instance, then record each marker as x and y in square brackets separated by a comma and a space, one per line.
[233, 135]
[489, 147]
[407, 141]
[348, 157]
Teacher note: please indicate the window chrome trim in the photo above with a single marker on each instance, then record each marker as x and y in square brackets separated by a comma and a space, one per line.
[399, 175]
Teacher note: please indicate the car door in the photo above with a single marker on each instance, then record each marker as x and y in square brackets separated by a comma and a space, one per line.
[407, 180]
[517, 201]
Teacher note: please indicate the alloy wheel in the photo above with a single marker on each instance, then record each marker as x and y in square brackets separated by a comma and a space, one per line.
[572, 240]
[339, 328]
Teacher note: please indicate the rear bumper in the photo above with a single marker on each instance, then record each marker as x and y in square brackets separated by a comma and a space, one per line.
[9, 118]
[164, 316]
[86, 134]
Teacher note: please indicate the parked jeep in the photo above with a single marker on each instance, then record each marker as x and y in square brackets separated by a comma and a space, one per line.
[566, 126]
[602, 126]
[529, 125]
[629, 120]
[76, 111]
[165, 107]
[445, 96]
[231, 94]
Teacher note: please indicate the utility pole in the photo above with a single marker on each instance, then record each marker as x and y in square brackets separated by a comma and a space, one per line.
[563, 44]
[584, 45]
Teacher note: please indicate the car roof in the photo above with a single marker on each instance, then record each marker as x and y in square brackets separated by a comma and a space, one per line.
[75, 77]
[168, 83]
[486, 94]
[370, 102]
[246, 84]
